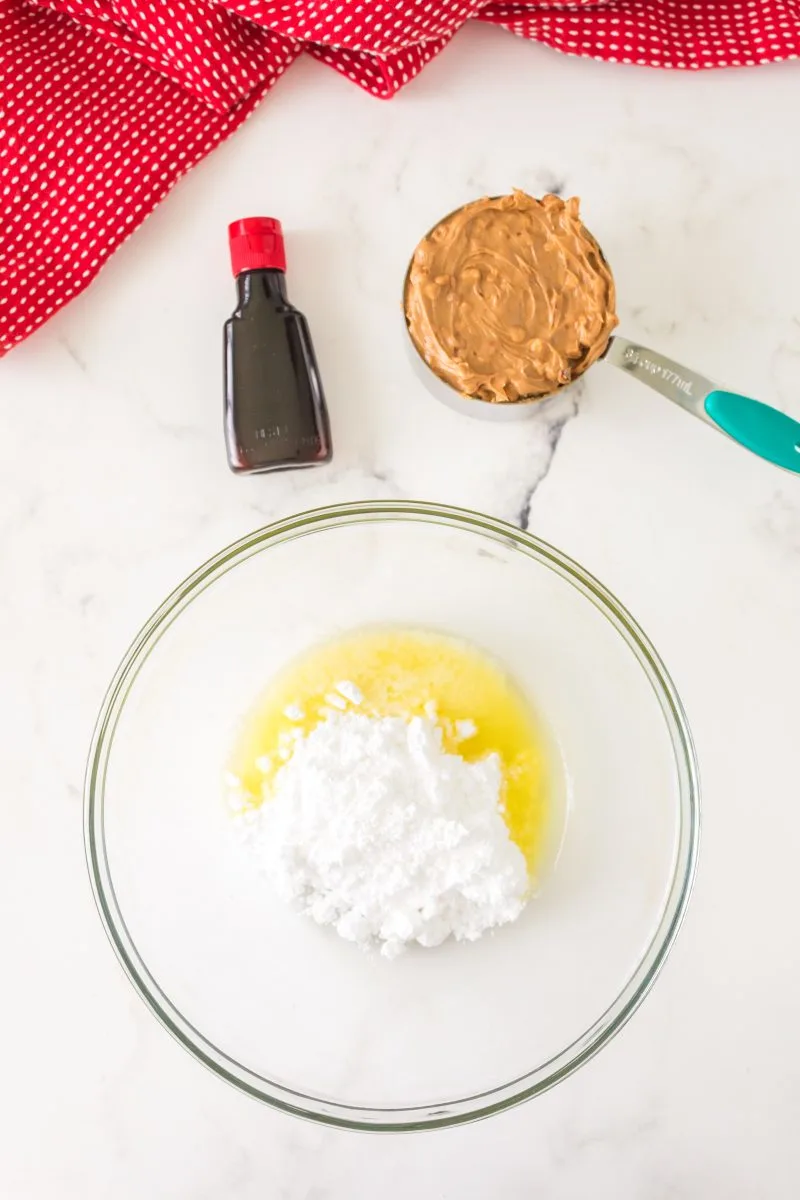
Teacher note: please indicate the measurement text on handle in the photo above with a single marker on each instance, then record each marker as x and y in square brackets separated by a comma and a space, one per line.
[637, 359]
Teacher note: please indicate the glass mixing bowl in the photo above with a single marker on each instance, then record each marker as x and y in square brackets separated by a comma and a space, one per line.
[287, 1011]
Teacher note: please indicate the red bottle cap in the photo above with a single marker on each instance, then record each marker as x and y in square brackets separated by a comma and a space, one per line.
[256, 244]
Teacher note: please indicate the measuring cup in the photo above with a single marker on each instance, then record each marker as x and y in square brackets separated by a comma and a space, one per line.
[765, 431]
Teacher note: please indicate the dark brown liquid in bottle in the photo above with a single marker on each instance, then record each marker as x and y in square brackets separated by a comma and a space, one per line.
[275, 413]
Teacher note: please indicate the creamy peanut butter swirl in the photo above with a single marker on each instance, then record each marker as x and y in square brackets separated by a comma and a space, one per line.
[510, 298]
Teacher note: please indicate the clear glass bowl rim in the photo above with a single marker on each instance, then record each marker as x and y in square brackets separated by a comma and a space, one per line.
[527, 1084]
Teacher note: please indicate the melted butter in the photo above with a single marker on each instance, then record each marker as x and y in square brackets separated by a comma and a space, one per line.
[403, 672]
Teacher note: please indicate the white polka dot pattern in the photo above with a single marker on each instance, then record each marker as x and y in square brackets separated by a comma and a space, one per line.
[208, 50]
[674, 34]
[106, 103]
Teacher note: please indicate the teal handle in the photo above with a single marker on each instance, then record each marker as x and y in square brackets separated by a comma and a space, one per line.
[764, 430]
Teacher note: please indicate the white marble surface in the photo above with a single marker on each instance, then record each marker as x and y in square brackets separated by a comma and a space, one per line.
[114, 485]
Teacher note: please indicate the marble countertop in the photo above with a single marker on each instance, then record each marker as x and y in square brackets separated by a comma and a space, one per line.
[114, 485]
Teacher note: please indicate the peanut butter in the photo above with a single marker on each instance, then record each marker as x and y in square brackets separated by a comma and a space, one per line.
[510, 298]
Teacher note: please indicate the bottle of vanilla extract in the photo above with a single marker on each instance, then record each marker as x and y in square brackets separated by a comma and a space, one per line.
[275, 412]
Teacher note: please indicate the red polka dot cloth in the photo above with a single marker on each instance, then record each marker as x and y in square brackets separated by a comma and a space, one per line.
[106, 103]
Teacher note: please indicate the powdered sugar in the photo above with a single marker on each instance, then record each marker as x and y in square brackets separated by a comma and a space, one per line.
[370, 826]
